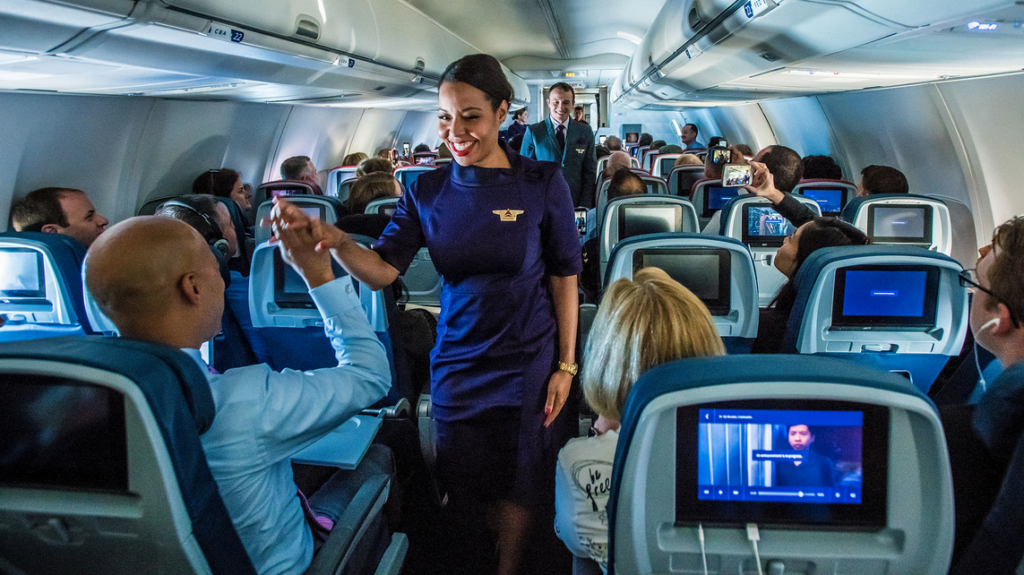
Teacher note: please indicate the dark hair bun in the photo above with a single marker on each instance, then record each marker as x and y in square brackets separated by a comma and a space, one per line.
[483, 72]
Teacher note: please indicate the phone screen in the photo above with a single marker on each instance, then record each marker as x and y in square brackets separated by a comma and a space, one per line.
[405, 149]
[720, 156]
[734, 176]
[602, 139]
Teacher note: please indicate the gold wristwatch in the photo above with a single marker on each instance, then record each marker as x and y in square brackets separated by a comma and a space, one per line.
[572, 368]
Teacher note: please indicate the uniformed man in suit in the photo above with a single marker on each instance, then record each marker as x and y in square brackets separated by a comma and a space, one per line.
[565, 141]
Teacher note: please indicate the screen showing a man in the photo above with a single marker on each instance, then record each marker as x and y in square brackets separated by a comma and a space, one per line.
[810, 469]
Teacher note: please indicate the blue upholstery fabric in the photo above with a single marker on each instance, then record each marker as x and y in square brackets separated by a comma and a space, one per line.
[179, 396]
[711, 371]
[68, 255]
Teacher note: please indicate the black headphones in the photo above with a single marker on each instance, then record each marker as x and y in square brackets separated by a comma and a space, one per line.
[213, 235]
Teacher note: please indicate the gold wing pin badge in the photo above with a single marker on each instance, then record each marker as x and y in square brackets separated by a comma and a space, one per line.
[507, 215]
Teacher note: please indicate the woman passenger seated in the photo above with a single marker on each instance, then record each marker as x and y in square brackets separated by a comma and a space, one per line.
[374, 165]
[641, 324]
[809, 238]
[354, 159]
[365, 190]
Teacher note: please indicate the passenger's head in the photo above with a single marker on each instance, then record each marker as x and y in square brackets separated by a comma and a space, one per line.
[642, 323]
[561, 102]
[822, 168]
[613, 143]
[208, 217]
[645, 139]
[473, 100]
[882, 180]
[521, 116]
[420, 148]
[299, 168]
[625, 183]
[602, 152]
[354, 159]
[688, 160]
[811, 237]
[688, 134]
[712, 171]
[223, 183]
[577, 113]
[66, 211]
[715, 141]
[657, 144]
[158, 281]
[670, 149]
[372, 187]
[997, 307]
[616, 160]
[800, 437]
[784, 164]
[745, 150]
[374, 165]
[386, 154]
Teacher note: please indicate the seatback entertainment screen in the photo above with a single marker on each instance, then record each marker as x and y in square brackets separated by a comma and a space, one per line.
[21, 273]
[911, 224]
[639, 219]
[885, 297]
[765, 227]
[830, 200]
[705, 272]
[715, 198]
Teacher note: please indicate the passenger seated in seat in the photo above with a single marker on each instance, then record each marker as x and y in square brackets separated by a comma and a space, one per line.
[641, 324]
[615, 161]
[776, 170]
[158, 281]
[670, 149]
[224, 183]
[882, 180]
[613, 143]
[821, 168]
[808, 238]
[354, 159]
[301, 169]
[995, 542]
[372, 187]
[208, 217]
[65, 211]
[373, 166]
[624, 183]
[688, 160]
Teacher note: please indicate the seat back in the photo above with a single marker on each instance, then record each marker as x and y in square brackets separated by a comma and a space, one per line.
[682, 178]
[268, 190]
[384, 206]
[422, 282]
[324, 208]
[710, 196]
[424, 157]
[903, 219]
[103, 471]
[896, 307]
[406, 175]
[335, 178]
[831, 195]
[755, 222]
[655, 186]
[704, 451]
[718, 270]
[644, 214]
[662, 164]
[648, 159]
[41, 286]
[441, 161]
[638, 151]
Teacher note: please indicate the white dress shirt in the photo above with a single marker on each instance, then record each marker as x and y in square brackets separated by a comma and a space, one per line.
[263, 417]
[583, 479]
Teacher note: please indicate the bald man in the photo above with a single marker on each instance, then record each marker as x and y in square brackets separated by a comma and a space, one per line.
[615, 161]
[158, 281]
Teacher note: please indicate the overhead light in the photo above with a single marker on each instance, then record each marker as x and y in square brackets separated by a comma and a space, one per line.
[631, 37]
[851, 76]
[983, 26]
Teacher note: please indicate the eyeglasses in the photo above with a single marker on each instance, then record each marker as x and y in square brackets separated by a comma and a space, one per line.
[969, 279]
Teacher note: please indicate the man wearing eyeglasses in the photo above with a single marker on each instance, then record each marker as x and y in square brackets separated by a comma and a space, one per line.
[988, 464]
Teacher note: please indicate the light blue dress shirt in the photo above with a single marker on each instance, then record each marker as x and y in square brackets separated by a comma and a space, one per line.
[264, 417]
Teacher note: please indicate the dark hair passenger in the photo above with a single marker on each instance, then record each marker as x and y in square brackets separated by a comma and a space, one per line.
[500, 230]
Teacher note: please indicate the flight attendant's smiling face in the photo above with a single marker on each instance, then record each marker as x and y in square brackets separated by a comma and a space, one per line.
[468, 123]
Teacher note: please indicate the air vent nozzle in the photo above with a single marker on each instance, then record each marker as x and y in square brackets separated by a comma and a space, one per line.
[693, 19]
[420, 65]
[771, 57]
[308, 28]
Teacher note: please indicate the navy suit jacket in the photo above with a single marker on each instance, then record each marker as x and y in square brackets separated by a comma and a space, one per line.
[578, 159]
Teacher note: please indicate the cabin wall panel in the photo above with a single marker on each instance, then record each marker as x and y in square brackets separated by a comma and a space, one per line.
[800, 124]
[323, 134]
[418, 128]
[743, 125]
[376, 129]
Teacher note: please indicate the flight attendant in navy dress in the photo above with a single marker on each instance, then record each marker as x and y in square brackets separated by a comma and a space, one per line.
[502, 234]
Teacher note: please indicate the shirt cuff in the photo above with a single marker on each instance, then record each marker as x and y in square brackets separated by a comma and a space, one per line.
[335, 297]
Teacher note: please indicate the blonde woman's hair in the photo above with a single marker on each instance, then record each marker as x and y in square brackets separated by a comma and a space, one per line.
[688, 160]
[642, 323]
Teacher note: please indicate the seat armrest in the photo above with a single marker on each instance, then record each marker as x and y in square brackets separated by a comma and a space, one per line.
[349, 528]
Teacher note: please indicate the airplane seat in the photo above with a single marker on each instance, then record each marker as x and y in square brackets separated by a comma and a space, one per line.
[406, 175]
[424, 158]
[329, 210]
[719, 271]
[382, 206]
[602, 163]
[629, 216]
[703, 474]
[151, 206]
[897, 308]
[128, 487]
[648, 160]
[710, 196]
[831, 195]
[335, 177]
[682, 178]
[903, 219]
[243, 260]
[41, 286]
[345, 189]
[287, 328]
[439, 162]
[662, 164]
[637, 152]
[755, 222]
[655, 186]
[268, 190]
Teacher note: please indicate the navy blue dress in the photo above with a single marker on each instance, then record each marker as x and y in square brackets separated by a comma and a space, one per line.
[495, 236]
